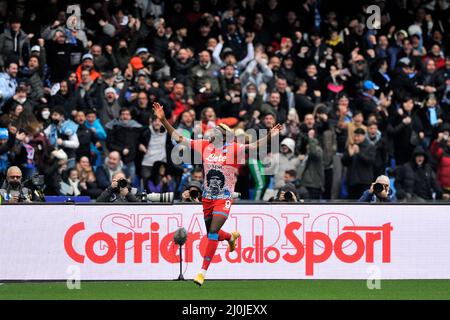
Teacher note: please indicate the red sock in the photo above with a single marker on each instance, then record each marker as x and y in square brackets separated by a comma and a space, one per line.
[224, 235]
[209, 254]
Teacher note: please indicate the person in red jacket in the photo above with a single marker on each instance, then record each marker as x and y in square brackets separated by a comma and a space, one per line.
[436, 55]
[179, 103]
[440, 149]
[87, 63]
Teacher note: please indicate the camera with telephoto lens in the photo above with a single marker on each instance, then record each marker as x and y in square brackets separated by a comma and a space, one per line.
[37, 181]
[378, 188]
[157, 197]
[288, 196]
[36, 185]
[122, 183]
[194, 194]
[142, 196]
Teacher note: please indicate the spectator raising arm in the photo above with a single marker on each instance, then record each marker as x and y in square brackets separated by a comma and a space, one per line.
[159, 113]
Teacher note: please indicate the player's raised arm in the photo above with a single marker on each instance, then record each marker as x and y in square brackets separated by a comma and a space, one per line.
[159, 113]
[272, 133]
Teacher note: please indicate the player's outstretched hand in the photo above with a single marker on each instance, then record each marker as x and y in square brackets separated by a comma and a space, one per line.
[159, 111]
[275, 130]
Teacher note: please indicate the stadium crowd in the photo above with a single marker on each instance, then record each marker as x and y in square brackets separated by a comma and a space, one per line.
[356, 101]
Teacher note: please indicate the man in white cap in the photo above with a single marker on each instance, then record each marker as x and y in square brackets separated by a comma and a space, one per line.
[35, 49]
[40, 52]
[111, 107]
[143, 53]
[284, 160]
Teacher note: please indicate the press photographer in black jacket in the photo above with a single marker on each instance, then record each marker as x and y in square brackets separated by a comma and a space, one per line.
[193, 192]
[119, 191]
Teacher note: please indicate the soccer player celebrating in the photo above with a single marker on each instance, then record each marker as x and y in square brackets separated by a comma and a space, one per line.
[220, 161]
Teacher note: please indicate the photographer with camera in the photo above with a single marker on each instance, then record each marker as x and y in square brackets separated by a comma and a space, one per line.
[379, 191]
[119, 191]
[192, 193]
[287, 193]
[12, 190]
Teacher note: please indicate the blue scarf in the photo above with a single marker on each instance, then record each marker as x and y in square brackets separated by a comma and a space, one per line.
[433, 116]
[68, 128]
[53, 135]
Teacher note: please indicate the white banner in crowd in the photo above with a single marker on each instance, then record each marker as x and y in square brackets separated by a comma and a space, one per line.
[51, 242]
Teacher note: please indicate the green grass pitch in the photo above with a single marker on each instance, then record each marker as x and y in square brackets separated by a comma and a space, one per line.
[229, 290]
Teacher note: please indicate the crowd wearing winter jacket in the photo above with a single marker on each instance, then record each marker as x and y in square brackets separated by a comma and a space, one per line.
[355, 101]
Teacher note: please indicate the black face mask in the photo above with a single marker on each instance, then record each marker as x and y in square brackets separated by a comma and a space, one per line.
[56, 122]
[14, 184]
